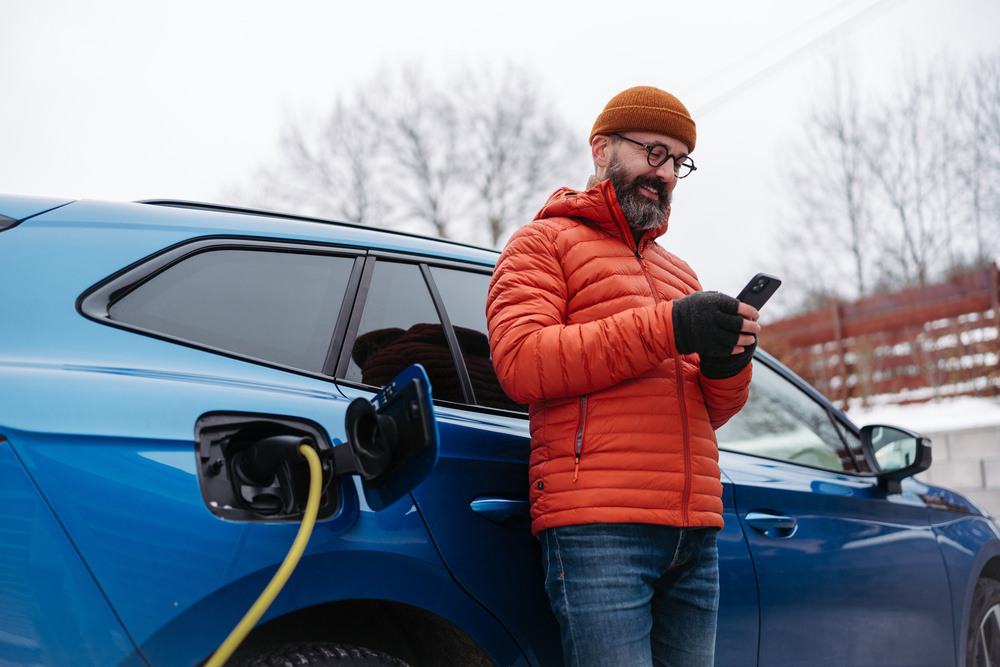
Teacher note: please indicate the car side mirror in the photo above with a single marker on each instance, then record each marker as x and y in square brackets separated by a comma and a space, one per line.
[895, 454]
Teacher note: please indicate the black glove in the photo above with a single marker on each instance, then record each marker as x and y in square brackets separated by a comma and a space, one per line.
[718, 368]
[708, 323]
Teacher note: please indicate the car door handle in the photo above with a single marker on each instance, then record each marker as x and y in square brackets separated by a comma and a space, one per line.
[500, 510]
[765, 522]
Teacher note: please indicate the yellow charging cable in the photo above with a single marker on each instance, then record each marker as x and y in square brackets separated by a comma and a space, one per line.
[243, 628]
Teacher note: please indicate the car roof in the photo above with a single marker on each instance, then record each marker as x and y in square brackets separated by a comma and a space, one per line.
[15, 208]
[188, 219]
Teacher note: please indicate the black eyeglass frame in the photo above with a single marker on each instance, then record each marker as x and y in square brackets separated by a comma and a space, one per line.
[679, 163]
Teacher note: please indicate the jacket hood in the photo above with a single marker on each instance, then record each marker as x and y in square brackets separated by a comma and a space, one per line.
[598, 207]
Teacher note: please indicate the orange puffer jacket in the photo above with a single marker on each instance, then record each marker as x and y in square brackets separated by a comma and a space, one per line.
[580, 324]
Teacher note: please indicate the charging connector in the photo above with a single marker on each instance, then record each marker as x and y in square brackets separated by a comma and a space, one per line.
[272, 468]
[242, 629]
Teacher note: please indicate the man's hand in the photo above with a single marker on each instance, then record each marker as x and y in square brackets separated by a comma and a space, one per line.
[722, 330]
[713, 324]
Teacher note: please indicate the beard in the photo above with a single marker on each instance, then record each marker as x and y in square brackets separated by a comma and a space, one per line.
[641, 212]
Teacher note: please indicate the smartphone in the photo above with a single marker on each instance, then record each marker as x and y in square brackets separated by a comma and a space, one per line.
[759, 290]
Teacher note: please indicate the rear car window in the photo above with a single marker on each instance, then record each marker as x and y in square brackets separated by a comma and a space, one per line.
[281, 307]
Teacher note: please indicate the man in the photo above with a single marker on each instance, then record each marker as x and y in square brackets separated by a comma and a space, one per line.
[628, 368]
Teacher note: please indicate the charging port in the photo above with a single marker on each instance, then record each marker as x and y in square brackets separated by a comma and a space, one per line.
[249, 467]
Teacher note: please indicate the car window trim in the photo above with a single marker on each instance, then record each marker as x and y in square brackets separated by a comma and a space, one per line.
[95, 303]
[449, 333]
[344, 317]
[430, 260]
[343, 358]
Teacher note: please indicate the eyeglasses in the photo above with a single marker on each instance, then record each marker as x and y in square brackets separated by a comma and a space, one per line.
[658, 154]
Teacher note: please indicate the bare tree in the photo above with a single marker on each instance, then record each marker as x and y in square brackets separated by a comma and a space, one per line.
[517, 150]
[469, 159]
[907, 160]
[323, 170]
[417, 140]
[833, 232]
[900, 192]
[977, 156]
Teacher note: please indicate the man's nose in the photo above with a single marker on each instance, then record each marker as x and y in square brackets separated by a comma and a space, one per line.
[666, 171]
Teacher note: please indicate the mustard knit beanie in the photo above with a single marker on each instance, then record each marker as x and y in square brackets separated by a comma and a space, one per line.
[646, 109]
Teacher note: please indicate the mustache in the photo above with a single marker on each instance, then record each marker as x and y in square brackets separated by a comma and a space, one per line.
[654, 184]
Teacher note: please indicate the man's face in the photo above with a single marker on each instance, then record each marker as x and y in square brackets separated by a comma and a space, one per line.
[644, 192]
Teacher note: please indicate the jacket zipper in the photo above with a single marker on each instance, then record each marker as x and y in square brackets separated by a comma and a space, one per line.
[645, 272]
[686, 435]
[579, 437]
[686, 432]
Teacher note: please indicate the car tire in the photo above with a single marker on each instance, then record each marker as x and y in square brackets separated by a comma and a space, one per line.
[983, 646]
[321, 655]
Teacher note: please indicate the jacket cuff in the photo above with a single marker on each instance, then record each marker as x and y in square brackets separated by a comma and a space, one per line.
[741, 379]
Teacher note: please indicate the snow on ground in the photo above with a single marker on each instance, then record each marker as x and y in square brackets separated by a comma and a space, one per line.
[935, 416]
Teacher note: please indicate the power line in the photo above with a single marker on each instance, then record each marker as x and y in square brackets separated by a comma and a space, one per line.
[851, 23]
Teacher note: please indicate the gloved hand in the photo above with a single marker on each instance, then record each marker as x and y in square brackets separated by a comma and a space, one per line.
[717, 368]
[707, 323]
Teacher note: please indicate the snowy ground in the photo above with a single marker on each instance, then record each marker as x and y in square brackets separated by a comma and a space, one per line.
[936, 416]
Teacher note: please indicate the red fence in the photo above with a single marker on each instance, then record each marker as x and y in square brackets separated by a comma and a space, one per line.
[914, 345]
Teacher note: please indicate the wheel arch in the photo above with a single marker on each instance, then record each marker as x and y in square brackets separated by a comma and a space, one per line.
[991, 569]
[410, 633]
[400, 598]
[986, 566]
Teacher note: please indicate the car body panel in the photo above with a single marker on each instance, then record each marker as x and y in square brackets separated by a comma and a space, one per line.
[738, 632]
[873, 567]
[486, 460]
[132, 503]
[18, 208]
[53, 611]
[955, 532]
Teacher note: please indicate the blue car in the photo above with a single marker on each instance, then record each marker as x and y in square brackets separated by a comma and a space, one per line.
[154, 356]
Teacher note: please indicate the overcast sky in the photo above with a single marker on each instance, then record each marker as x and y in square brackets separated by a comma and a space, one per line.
[133, 99]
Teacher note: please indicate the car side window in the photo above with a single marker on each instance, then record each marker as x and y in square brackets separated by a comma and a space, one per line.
[780, 421]
[464, 296]
[276, 306]
[399, 327]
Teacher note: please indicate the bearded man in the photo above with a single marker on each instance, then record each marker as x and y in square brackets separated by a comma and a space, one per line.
[628, 368]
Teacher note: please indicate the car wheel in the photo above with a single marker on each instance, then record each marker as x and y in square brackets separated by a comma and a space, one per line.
[984, 625]
[321, 655]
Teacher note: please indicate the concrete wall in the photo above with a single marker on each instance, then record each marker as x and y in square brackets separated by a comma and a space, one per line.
[968, 461]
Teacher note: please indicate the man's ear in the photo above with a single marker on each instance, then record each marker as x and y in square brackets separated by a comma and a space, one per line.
[600, 150]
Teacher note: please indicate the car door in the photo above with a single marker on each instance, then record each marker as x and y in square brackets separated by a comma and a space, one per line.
[847, 574]
[475, 502]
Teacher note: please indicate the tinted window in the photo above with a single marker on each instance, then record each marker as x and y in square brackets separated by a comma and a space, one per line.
[782, 422]
[400, 327]
[464, 296]
[276, 306]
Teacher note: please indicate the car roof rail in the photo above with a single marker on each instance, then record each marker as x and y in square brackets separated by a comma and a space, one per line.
[225, 208]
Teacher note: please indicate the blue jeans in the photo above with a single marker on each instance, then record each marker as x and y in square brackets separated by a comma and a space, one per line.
[633, 594]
